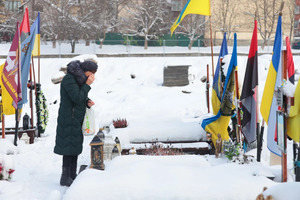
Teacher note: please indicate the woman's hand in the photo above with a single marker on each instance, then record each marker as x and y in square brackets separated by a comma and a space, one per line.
[90, 79]
[90, 103]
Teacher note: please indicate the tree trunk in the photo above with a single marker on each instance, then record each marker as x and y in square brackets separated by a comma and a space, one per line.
[101, 44]
[87, 42]
[265, 43]
[146, 43]
[53, 43]
[101, 41]
[191, 44]
[73, 42]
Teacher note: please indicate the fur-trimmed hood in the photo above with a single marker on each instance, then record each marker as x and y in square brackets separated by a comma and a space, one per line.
[75, 69]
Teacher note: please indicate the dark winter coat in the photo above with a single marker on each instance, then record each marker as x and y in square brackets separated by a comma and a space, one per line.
[73, 97]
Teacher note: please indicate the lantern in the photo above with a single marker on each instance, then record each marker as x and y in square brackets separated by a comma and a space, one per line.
[25, 121]
[115, 152]
[109, 144]
[118, 144]
[97, 153]
[101, 134]
[25, 138]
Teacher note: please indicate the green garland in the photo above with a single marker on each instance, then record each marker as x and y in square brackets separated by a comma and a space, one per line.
[43, 112]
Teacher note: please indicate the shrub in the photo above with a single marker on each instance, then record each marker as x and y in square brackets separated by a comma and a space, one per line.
[120, 123]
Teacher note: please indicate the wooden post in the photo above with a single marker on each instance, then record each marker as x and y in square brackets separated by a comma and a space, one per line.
[34, 82]
[284, 153]
[30, 97]
[212, 49]
[207, 89]
[260, 136]
[3, 121]
[39, 68]
[239, 105]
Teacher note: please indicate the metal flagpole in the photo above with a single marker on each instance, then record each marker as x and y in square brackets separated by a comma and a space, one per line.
[3, 121]
[238, 106]
[207, 89]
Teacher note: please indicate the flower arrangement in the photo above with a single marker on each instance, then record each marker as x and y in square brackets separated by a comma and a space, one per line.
[120, 123]
[158, 149]
[5, 174]
[231, 149]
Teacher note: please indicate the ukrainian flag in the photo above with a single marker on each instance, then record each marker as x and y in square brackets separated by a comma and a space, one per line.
[219, 123]
[268, 106]
[293, 125]
[37, 43]
[200, 7]
[216, 88]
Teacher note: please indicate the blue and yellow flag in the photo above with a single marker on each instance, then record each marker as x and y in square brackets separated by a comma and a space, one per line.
[26, 52]
[219, 123]
[200, 7]
[268, 106]
[216, 96]
[37, 43]
[293, 125]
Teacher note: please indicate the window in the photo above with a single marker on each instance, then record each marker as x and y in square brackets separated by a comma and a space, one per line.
[176, 5]
[12, 5]
[296, 24]
[296, 10]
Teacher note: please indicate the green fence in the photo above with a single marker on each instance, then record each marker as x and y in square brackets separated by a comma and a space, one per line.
[165, 40]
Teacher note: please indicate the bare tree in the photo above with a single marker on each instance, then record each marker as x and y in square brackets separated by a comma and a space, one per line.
[291, 4]
[9, 19]
[225, 15]
[103, 19]
[267, 13]
[194, 28]
[147, 17]
[65, 20]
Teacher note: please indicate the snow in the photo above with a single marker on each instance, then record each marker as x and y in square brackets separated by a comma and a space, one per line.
[153, 112]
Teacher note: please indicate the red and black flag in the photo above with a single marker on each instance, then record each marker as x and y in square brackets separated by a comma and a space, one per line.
[248, 96]
[290, 61]
[25, 27]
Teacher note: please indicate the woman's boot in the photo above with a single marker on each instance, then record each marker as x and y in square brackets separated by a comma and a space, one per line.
[66, 179]
[73, 169]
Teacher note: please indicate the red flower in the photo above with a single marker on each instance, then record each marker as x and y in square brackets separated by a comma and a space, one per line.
[1, 168]
[11, 171]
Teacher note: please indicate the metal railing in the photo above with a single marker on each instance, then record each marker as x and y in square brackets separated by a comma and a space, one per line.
[124, 48]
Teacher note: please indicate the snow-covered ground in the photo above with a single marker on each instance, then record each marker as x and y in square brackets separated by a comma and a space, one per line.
[152, 111]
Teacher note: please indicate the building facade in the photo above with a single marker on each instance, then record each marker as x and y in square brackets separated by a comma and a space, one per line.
[240, 19]
[297, 19]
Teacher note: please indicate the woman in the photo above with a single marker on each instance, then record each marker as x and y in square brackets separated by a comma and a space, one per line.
[74, 90]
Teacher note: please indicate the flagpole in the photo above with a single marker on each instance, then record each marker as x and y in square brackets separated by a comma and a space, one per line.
[211, 47]
[34, 82]
[19, 85]
[259, 135]
[239, 105]
[31, 100]
[39, 69]
[297, 174]
[17, 127]
[284, 153]
[3, 121]
[260, 140]
[207, 88]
